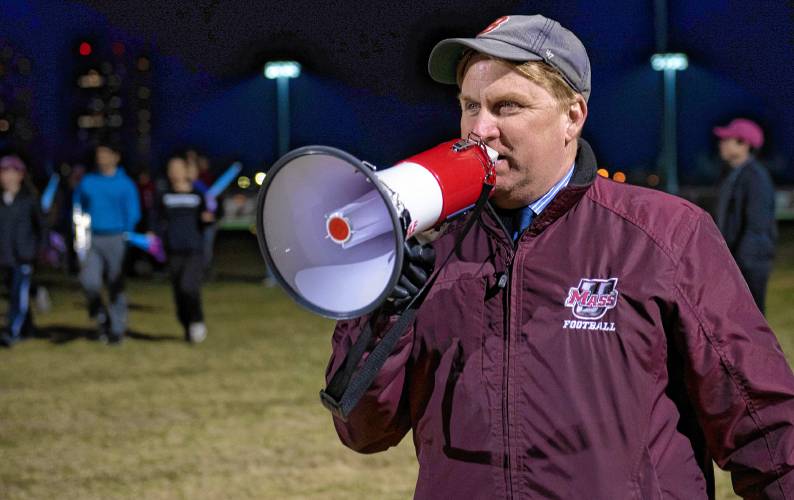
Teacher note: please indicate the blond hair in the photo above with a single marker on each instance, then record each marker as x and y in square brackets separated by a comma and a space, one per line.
[538, 72]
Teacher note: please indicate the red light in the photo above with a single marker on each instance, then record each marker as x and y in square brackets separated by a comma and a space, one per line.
[85, 49]
[118, 49]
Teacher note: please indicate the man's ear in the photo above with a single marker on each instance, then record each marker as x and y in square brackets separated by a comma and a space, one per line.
[576, 116]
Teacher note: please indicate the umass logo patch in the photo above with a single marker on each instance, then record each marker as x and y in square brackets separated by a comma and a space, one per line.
[593, 298]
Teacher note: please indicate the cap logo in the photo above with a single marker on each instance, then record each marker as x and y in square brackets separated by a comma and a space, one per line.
[494, 25]
[549, 54]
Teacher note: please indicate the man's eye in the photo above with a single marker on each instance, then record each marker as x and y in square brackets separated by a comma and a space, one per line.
[507, 106]
[471, 107]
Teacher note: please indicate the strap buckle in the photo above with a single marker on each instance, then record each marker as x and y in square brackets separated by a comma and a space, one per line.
[332, 405]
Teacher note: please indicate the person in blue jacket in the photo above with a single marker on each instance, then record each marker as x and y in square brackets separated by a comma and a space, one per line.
[110, 199]
[22, 231]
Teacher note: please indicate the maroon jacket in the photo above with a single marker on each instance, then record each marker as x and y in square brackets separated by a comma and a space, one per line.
[622, 354]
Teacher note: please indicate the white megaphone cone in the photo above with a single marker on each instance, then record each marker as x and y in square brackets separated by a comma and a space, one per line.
[332, 229]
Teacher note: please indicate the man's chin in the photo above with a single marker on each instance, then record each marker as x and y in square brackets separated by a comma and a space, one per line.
[502, 198]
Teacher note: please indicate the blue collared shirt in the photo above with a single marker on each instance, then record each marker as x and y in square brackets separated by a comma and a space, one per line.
[536, 207]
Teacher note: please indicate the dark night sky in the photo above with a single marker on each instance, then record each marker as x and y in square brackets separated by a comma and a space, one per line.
[365, 86]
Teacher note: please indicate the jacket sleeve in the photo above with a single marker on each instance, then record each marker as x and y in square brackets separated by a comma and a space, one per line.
[381, 418]
[737, 376]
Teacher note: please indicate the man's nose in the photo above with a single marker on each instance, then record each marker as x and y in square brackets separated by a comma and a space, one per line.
[485, 126]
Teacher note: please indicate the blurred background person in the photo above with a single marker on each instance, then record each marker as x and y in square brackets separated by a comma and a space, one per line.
[147, 197]
[21, 234]
[745, 210]
[139, 262]
[215, 206]
[183, 218]
[194, 171]
[205, 174]
[110, 198]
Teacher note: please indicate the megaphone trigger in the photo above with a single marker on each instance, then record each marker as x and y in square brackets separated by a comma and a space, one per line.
[417, 268]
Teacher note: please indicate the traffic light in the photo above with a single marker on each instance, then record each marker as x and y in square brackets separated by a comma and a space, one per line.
[84, 49]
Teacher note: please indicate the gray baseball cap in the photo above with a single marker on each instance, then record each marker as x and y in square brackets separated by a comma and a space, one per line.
[518, 39]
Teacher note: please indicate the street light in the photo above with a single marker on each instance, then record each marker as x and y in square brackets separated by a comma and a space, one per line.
[670, 63]
[282, 72]
[674, 61]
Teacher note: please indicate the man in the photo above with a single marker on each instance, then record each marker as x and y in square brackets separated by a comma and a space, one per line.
[110, 198]
[588, 339]
[746, 205]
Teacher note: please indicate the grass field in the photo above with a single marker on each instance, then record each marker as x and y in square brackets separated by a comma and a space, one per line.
[235, 417]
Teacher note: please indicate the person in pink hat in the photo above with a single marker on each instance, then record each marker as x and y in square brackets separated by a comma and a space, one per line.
[745, 211]
[22, 231]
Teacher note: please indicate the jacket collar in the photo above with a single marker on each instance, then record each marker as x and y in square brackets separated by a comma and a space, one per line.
[583, 177]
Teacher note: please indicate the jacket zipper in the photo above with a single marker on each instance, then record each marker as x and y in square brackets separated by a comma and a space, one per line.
[508, 285]
[506, 377]
[505, 281]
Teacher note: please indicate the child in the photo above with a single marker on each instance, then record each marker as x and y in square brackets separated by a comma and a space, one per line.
[22, 230]
[183, 216]
[110, 199]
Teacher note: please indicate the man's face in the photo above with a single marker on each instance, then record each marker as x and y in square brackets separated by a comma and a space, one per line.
[733, 151]
[10, 179]
[106, 159]
[522, 122]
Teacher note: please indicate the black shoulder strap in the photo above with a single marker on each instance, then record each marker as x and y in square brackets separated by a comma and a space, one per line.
[347, 386]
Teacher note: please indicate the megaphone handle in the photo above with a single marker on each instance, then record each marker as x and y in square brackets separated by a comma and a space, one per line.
[346, 387]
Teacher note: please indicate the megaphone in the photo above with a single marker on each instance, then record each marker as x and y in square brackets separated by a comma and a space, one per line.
[331, 227]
